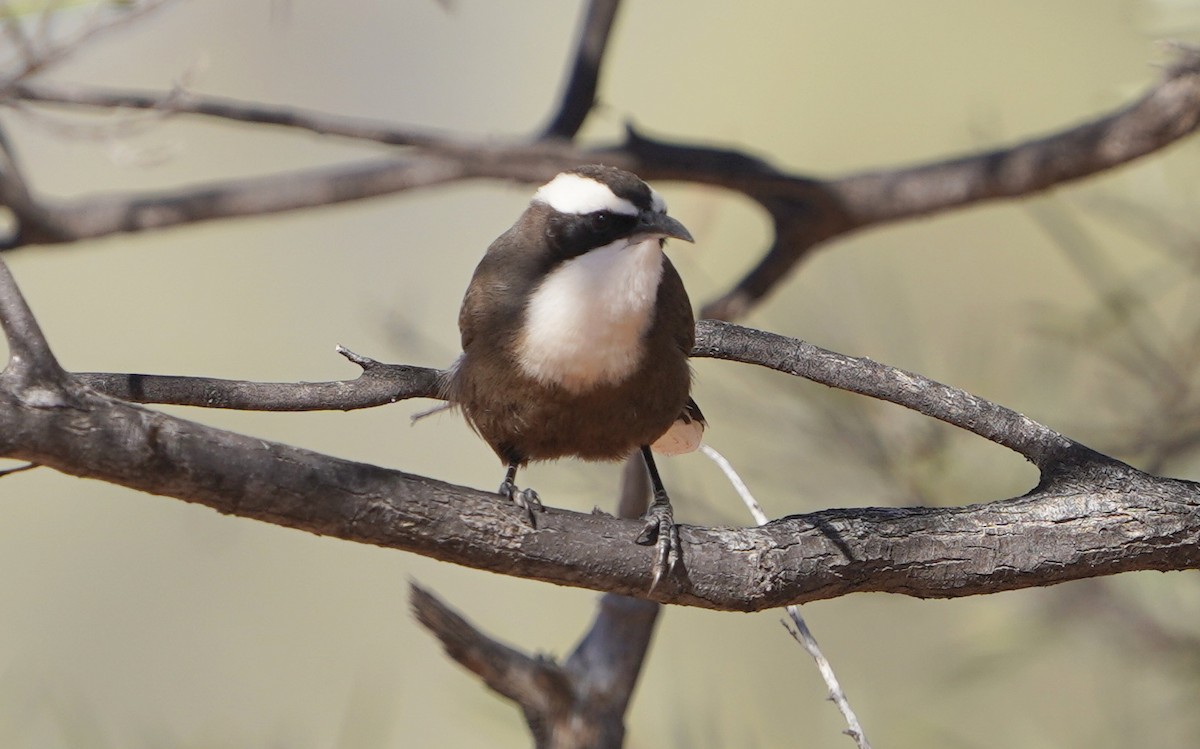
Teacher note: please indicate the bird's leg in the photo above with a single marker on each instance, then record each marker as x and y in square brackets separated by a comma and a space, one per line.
[660, 525]
[526, 499]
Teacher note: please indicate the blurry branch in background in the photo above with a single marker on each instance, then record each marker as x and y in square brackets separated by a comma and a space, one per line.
[1146, 328]
[578, 703]
[806, 212]
[579, 96]
[37, 45]
[1169, 640]
[1149, 340]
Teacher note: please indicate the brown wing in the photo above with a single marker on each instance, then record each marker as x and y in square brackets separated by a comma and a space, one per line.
[495, 300]
[676, 308]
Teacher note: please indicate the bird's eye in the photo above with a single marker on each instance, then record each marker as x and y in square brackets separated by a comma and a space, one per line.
[600, 219]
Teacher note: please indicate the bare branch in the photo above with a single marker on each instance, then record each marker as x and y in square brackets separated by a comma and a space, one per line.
[41, 53]
[387, 383]
[384, 383]
[1040, 444]
[580, 94]
[538, 685]
[101, 216]
[580, 703]
[1166, 113]
[378, 385]
[801, 634]
[1094, 519]
[1090, 515]
[806, 212]
[577, 100]
[30, 359]
[183, 101]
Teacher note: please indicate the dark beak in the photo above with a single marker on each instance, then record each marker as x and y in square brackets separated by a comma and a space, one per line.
[651, 224]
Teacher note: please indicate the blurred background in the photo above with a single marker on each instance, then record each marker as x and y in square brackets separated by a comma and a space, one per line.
[128, 620]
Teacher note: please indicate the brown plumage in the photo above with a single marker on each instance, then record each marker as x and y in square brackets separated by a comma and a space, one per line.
[576, 331]
[525, 420]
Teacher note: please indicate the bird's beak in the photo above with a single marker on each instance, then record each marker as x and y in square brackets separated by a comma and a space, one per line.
[653, 224]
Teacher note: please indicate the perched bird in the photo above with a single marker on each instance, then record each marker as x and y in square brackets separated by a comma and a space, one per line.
[576, 331]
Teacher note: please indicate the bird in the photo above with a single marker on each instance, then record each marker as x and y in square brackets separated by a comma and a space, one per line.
[576, 331]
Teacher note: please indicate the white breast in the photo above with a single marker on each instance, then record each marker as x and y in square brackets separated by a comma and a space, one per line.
[584, 323]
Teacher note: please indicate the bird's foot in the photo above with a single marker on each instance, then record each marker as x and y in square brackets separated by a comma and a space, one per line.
[661, 531]
[526, 499]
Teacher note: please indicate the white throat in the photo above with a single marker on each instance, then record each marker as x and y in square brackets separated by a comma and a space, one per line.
[584, 323]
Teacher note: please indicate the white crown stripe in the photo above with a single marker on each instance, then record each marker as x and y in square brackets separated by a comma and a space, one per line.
[656, 202]
[572, 193]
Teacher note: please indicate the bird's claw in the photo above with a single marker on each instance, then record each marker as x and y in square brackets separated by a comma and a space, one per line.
[526, 499]
[660, 530]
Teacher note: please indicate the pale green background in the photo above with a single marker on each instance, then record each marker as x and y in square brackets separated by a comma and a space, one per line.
[128, 620]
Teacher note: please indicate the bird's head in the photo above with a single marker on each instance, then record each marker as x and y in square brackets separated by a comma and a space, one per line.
[596, 206]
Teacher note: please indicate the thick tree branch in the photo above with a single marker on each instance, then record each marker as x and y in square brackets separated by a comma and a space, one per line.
[1090, 515]
[1096, 520]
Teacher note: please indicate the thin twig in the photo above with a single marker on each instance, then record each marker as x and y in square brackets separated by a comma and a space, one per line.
[37, 58]
[801, 633]
[180, 100]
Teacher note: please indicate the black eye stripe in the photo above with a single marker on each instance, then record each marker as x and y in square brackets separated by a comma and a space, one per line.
[574, 234]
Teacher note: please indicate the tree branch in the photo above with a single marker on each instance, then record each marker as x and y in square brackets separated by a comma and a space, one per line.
[537, 685]
[39, 54]
[378, 385]
[582, 702]
[806, 212]
[31, 363]
[387, 383]
[580, 94]
[183, 101]
[1090, 516]
[1096, 520]
[1041, 445]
